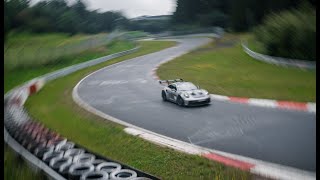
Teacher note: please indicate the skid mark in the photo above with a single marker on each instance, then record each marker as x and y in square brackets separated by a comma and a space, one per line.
[115, 82]
[216, 135]
[238, 125]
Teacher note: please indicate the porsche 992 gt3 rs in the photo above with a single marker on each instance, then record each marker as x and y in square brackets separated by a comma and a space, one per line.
[184, 93]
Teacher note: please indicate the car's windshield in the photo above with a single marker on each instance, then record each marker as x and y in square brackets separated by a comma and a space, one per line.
[186, 86]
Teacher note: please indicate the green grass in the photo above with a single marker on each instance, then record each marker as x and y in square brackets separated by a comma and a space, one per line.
[54, 107]
[136, 34]
[230, 71]
[28, 50]
[17, 76]
[14, 169]
[18, 169]
[255, 45]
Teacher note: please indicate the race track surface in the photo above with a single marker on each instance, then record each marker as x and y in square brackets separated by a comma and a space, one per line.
[127, 91]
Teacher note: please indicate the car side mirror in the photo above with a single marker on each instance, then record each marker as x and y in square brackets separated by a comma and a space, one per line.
[198, 87]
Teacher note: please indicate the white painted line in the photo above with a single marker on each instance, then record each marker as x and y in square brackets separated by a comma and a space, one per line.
[263, 102]
[146, 39]
[219, 97]
[177, 145]
[312, 107]
[282, 173]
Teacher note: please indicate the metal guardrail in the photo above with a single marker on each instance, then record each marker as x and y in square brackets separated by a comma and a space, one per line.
[188, 36]
[279, 60]
[71, 69]
[216, 32]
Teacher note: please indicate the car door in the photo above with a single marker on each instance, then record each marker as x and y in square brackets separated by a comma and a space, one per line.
[171, 91]
[174, 93]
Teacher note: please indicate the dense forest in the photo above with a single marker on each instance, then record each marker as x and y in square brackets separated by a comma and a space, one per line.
[238, 15]
[57, 16]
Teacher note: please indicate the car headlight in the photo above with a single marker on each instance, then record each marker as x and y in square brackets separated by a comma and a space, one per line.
[205, 92]
[186, 95]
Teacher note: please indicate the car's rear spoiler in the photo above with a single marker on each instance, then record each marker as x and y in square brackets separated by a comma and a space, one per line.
[170, 81]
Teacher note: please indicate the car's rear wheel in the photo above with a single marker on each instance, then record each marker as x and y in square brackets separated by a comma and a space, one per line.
[180, 101]
[164, 96]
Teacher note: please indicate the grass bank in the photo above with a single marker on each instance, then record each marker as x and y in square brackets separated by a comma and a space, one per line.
[224, 68]
[255, 45]
[54, 107]
[15, 168]
[25, 50]
[16, 76]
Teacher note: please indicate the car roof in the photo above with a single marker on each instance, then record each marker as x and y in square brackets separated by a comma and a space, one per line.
[179, 83]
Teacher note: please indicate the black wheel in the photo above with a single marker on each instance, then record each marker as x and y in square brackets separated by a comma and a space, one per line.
[164, 96]
[180, 101]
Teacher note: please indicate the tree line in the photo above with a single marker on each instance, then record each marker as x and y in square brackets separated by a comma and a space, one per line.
[57, 16]
[238, 15]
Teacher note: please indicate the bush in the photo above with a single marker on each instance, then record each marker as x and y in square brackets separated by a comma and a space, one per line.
[290, 34]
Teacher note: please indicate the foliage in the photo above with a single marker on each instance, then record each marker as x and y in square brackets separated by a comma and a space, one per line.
[152, 26]
[240, 15]
[57, 16]
[290, 34]
[214, 18]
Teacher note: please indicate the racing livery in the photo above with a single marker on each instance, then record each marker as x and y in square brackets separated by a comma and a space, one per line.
[184, 93]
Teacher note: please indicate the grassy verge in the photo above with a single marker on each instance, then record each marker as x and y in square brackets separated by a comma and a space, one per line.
[255, 45]
[27, 50]
[54, 107]
[136, 34]
[18, 169]
[17, 76]
[224, 68]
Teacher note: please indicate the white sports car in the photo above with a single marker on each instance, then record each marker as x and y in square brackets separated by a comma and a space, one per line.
[184, 93]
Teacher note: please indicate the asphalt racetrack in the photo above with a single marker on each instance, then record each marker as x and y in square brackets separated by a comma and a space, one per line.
[128, 91]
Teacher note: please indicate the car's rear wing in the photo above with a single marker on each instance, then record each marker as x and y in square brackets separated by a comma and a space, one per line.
[170, 81]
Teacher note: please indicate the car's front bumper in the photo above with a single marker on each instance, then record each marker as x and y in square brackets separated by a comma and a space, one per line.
[197, 102]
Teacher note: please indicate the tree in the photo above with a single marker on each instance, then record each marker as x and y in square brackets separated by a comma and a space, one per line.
[240, 15]
[11, 9]
[290, 33]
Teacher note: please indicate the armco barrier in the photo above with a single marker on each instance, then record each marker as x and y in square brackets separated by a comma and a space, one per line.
[25, 136]
[278, 60]
[71, 69]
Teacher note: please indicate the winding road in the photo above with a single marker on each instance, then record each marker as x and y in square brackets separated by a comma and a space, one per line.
[128, 91]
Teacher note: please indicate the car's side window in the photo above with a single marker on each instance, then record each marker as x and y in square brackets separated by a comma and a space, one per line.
[174, 87]
[171, 86]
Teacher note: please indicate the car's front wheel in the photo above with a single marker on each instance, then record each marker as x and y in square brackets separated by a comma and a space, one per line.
[164, 96]
[180, 101]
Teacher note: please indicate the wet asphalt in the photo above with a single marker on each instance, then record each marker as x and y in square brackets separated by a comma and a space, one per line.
[128, 92]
